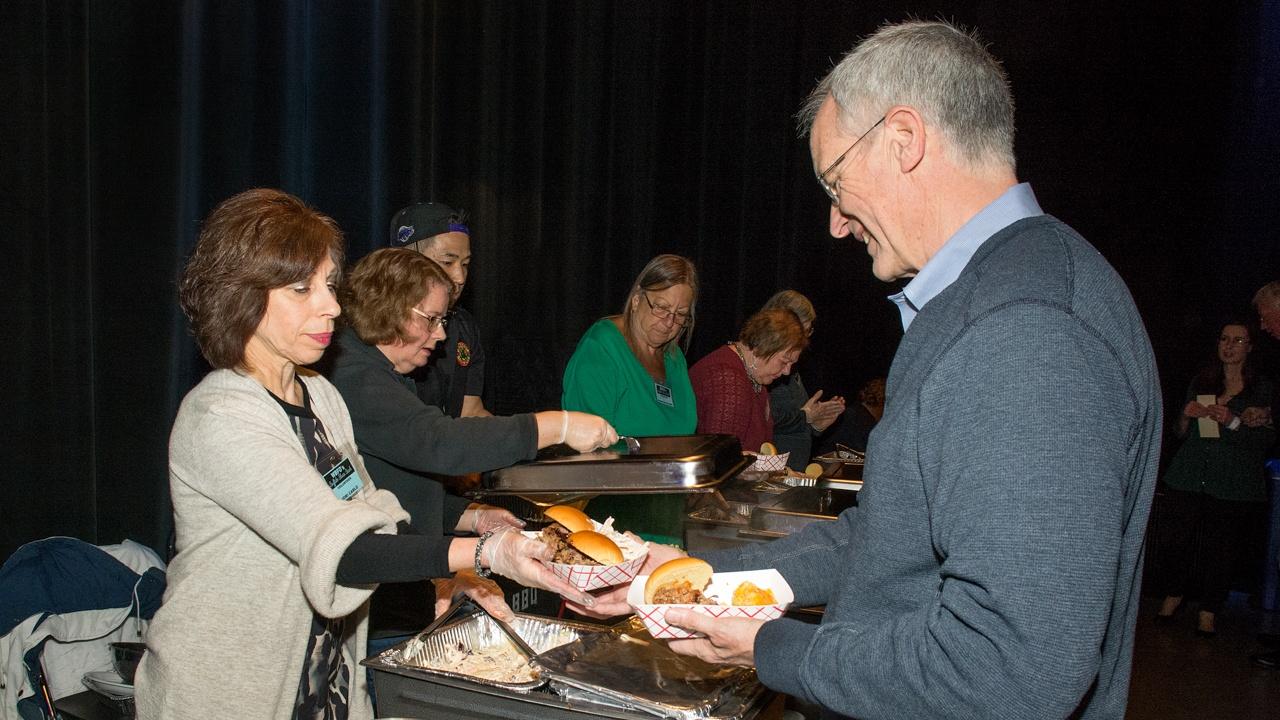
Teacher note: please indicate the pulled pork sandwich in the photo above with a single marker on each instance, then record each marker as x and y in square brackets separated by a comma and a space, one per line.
[679, 582]
[575, 541]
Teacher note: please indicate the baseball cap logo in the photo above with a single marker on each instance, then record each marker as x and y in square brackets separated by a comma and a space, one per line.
[404, 233]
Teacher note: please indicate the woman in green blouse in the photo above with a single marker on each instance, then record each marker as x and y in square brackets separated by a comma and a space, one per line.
[630, 369]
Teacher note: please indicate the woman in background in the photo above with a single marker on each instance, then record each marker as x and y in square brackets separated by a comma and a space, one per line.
[797, 416]
[853, 428]
[1214, 487]
[630, 369]
[730, 382]
[280, 533]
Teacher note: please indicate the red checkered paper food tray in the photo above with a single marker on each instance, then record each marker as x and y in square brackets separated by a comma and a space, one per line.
[594, 577]
[721, 589]
[767, 463]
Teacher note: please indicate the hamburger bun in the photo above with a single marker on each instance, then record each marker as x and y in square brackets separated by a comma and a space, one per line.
[573, 519]
[688, 569]
[768, 448]
[596, 546]
[748, 593]
[813, 470]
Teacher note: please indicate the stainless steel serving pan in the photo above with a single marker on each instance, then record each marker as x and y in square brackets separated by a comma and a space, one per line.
[662, 464]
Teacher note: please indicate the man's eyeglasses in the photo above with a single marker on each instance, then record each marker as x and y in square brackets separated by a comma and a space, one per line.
[663, 312]
[433, 321]
[833, 188]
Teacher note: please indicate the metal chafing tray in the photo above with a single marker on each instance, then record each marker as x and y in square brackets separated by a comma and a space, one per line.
[795, 509]
[841, 466]
[611, 690]
[631, 670]
[424, 656]
[661, 464]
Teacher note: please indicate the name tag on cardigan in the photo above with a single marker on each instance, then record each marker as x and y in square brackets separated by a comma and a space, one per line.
[343, 478]
[663, 394]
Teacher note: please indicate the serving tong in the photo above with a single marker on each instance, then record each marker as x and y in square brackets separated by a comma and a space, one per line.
[460, 602]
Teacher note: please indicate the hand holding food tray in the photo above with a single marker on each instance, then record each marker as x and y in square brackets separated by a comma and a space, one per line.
[590, 555]
[691, 584]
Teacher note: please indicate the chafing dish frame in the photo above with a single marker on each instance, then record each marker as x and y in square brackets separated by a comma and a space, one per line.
[699, 466]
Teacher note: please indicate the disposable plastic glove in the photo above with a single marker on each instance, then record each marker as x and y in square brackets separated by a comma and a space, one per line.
[480, 519]
[484, 591]
[586, 432]
[512, 555]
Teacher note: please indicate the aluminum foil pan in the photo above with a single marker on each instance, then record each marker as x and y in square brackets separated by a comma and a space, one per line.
[478, 639]
[628, 669]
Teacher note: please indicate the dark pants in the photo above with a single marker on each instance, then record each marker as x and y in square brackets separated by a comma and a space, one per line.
[1204, 541]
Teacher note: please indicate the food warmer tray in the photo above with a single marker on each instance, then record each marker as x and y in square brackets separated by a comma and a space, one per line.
[795, 509]
[405, 690]
[660, 464]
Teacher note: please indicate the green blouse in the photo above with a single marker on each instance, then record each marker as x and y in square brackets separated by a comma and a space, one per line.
[605, 378]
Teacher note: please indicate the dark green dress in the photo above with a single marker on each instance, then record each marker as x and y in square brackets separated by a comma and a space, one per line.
[1229, 467]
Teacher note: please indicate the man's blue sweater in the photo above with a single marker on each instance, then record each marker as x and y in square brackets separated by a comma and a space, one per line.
[992, 567]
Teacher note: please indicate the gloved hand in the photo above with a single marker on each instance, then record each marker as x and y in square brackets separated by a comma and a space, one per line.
[613, 601]
[512, 555]
[586, 432]
[484, 591]
[480, 519]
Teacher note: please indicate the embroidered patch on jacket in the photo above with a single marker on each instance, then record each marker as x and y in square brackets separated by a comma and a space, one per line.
[464, 354]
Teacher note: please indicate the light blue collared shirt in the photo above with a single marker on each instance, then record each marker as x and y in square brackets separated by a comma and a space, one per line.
[1016, 203]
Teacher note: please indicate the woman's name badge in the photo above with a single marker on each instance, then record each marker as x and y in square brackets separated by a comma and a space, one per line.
[663, 393]
[343, 479]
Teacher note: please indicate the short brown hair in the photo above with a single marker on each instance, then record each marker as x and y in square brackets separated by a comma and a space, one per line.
[772, 331]
[381, 289]
[660, 273]
[251, 244]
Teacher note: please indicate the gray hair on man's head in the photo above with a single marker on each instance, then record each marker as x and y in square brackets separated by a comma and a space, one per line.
[943, 72]
[1268, 296]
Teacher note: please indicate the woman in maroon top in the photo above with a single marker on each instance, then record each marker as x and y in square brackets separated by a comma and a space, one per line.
[730, 383]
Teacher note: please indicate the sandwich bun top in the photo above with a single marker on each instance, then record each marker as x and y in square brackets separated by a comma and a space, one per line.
[768, 448]
[696, 572]
[596, 546]
[571, 518]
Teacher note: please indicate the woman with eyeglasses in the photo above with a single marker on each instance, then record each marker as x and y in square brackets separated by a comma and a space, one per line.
[395, 301]
[281, 533]
[798, 416]
[1214, 490]
[630, 369]
[731, 383]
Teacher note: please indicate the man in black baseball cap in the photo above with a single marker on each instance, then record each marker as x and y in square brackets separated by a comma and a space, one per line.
[453, 381]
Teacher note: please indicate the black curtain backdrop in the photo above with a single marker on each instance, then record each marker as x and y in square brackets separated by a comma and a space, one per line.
[582, 138]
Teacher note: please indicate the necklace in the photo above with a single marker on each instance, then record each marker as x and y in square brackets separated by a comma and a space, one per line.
[751, 375]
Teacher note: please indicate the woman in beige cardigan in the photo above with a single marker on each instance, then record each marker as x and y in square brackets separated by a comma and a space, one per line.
[281, 534]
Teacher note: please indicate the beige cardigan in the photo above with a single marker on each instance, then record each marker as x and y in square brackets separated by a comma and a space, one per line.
[259, 537]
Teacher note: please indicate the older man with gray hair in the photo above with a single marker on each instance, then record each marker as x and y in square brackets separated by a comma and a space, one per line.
[991, 568]
[1267, 302]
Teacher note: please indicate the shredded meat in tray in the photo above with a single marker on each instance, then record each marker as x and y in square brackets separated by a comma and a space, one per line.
[681, 593]
[558, 538]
